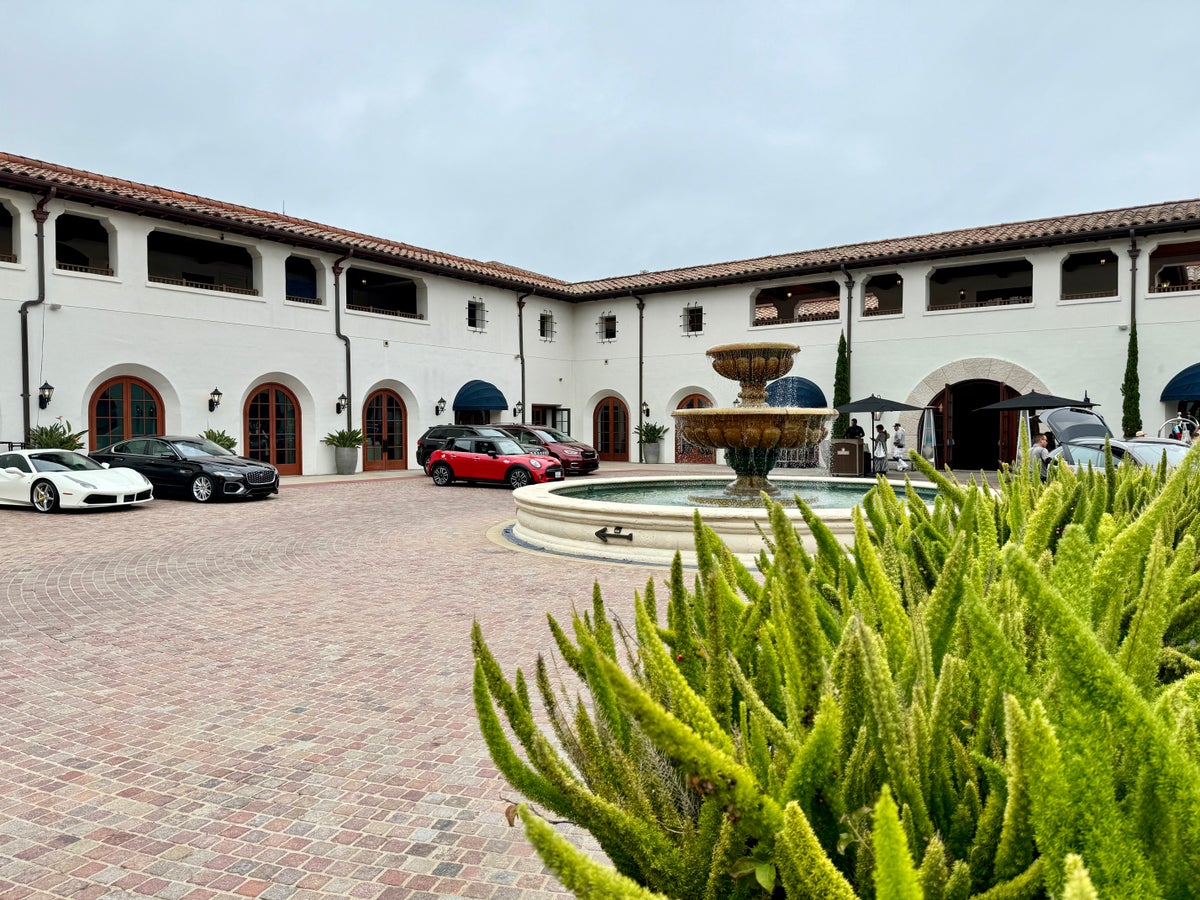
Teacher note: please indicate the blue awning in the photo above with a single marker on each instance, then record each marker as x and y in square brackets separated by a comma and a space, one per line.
[795, 391]
[1184, 386]
[479, 395]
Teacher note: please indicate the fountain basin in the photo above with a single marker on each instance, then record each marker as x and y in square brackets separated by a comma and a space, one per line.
[575, 520]
[754, 427]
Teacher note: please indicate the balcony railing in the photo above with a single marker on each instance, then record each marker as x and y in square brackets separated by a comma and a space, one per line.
[295, 298]
[1175, 288]
[384, 312]
[199, 285]
[881, 311]
[7, 257]
[982, 304]
[798, 318]
[90, 270]
[1092, 295]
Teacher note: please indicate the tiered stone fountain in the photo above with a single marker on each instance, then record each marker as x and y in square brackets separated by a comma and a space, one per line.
[752, 433]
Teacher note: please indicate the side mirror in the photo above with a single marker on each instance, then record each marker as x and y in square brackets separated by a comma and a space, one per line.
[104, 465]
[492, 453]
[13, 470]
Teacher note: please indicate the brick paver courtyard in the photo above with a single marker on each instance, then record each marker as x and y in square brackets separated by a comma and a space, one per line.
[267, 699]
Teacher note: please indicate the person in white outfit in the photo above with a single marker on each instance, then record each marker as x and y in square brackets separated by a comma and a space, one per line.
[898, 453]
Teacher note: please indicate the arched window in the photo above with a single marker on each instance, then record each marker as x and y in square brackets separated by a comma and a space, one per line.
[272, 420]
[685, 451]
[123, 408]
[383, 425]
[610, 426]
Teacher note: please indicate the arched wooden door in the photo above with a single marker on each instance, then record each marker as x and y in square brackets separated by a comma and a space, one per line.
[384, 427]
[610, 430]
[272, 420]
[685, 451]
[123, 408]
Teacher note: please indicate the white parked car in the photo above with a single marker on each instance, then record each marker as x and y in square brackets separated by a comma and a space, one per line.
[49, 480]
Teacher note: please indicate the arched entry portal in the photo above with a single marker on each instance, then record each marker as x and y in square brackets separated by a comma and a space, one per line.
[272, 420]
[383, 426]
[974, 440]
[123, 408]
[685, 451]
[610, 430]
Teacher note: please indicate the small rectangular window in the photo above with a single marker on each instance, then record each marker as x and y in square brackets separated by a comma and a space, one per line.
[476, 314]
[546, 326]
[693, 319]
[607, 327]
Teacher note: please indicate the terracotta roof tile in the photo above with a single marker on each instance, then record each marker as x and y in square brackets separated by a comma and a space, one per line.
[22, 170]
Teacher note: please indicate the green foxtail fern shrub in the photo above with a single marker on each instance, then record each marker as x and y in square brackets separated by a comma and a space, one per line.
[995, 696]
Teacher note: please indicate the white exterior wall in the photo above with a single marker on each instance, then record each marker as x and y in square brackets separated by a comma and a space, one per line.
[187, 341]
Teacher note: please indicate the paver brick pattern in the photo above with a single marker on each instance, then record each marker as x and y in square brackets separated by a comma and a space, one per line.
[268, 699]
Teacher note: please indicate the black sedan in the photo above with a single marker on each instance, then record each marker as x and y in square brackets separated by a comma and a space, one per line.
[194, 465]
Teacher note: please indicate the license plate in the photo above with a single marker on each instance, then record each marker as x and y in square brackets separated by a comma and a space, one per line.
[557, 474]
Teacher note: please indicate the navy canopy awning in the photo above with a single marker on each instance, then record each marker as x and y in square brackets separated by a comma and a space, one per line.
[1184, 386]
[795, 391]
[479, 395]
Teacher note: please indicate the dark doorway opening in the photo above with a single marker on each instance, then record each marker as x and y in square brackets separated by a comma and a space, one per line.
[970, 440]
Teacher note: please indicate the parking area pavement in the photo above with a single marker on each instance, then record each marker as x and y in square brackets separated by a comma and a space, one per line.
[267, 699]
[270, 699]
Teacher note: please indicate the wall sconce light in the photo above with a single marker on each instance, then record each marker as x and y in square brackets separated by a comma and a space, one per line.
[645, 409]
[342, 403]
[214, 400]
[519, 409]
[737, 401]
[440, 406]
[45, 392]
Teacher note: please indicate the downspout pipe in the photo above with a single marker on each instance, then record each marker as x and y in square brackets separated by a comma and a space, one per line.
[641, 305]
[849, 321]
[337, 327]
[1134, 252]
[521, 347]
[40, 215]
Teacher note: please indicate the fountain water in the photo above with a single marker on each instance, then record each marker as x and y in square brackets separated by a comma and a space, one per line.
[587, 520]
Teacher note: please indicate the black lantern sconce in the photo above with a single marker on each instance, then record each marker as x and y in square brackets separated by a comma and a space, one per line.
[45, 392]
[645, 409]
[518, 410]
[342, 403]
[214, 400]
[440, 406]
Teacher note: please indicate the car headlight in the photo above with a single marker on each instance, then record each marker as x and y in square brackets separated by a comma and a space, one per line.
[82, 483]
[535, 463]
[570, 451]
[228, 474]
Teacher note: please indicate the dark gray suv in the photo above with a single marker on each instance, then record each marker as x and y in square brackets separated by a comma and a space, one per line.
[439, 436]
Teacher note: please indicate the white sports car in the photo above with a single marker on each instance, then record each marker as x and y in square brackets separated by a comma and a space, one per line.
[49, 480]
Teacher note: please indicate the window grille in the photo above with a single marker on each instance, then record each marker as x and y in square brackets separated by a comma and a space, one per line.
[693, 319]
[476, 314]
[606, 327]
[546, 326]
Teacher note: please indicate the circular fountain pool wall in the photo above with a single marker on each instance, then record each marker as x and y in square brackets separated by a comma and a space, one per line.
[649, 519]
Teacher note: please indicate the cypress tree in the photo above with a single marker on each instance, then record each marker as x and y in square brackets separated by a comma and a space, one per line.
[1131, 406]
[841, 387]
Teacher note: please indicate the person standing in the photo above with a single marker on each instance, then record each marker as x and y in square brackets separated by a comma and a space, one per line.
[1041, 455]
[855, 430]
[898, 438]
[879, 451]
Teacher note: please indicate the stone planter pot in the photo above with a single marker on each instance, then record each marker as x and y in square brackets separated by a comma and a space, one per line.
[345, 460]
[650, 452]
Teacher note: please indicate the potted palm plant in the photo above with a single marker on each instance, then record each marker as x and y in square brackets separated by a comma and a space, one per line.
[345, 443]
[648, 435]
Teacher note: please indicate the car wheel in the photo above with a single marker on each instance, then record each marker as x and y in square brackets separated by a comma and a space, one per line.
[202, 489]
[44, 497]
[441, 474]
[519, 478]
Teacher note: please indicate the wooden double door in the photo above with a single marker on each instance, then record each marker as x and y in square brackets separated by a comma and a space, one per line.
[385, 428]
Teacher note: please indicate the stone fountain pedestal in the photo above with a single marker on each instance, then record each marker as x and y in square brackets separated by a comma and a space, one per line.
[752, 433]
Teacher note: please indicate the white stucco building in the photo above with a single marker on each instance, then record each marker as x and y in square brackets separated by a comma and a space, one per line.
[135, 302]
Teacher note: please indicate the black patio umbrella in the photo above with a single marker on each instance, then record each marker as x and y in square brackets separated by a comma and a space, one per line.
[1035, 400]
[876, 404]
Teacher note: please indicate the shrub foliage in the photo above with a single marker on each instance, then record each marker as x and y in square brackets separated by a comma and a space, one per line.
[997, 696]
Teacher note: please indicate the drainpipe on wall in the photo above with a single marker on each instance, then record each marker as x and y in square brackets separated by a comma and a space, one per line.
[337, 327]
[521, 346]
[641, 304]
[40, 215]
[849, 321]
[1134, 252]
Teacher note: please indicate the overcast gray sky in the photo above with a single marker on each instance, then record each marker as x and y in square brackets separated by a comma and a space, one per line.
[588, 140]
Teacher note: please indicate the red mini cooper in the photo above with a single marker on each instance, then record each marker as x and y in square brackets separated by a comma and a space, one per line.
[495, 459]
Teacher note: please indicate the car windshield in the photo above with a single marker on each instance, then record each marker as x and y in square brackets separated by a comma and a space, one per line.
[200, 447]
[1150, 454]
[62, 461]
[554, 435]
[508, 447]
